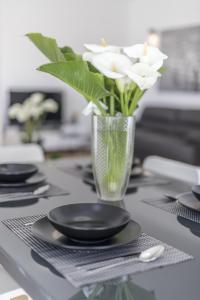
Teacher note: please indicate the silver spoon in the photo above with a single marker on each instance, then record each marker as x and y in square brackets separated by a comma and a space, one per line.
[148, 255]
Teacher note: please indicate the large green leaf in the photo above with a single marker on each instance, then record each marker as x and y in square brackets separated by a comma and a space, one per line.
[47, 46]
[69, 54]
[77, 75]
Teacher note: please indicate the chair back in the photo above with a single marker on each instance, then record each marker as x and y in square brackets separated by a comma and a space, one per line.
[171, 168]
[21, 153]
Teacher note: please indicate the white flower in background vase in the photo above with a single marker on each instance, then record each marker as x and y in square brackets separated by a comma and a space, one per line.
[146, 54]
[143, 75]
[112, 65]
[36, 98]
[14, 110]
[31, 113]
[50, 105]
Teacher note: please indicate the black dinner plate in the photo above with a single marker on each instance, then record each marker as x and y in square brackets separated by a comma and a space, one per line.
[189, 200]
[89, 222]
[196, 191]
[15, 172]
[45, 231]
[33, 180]
[137, 171]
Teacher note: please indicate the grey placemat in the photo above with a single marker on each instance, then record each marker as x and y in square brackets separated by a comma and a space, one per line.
[144, 180]
[65, 260]
[175, 208]
[52, 192]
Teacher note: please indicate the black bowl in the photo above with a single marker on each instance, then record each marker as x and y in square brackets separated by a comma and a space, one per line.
[13, 172]
[196, 191]
[89, 222]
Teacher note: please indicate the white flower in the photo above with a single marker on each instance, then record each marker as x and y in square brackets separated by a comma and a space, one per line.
[88, 56]
[112, 65]
[50, 105]
[143, 75]
[102, 48]
[23, 115]
[92, 108]
[14, 110]
[36, 112]
[146, 54]
[123, 84]
[36, 98]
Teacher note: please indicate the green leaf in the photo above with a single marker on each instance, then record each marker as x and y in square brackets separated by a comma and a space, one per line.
[69, 54]
[48, 46]
[163, 69]
[77, 75]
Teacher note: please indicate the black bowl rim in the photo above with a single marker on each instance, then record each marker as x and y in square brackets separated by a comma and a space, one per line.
[89, 229]
[32, 167]
[194, 189]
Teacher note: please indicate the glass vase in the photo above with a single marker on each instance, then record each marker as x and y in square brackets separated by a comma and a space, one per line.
[112, 155]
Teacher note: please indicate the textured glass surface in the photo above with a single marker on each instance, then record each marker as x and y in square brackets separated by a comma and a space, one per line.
[112, 151]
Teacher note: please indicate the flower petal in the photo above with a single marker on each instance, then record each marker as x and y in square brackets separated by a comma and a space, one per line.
[101, 49]
[112, 65]
[143, 75]
[92, 108]
[146, 54]
[87, 56]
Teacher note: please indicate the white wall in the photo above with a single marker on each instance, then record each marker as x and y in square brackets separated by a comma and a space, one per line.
[75, 22]
[72, 22]
[161, 15]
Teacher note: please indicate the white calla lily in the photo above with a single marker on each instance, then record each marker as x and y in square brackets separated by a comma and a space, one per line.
[112, 65]
[123, 83]
[92, 108]
[97, 49]
[143, 75]
[88, 56]
[146, 54]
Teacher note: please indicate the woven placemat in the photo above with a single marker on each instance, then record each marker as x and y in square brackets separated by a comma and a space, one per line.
[65, 260]
[52, 192]
[175, 208]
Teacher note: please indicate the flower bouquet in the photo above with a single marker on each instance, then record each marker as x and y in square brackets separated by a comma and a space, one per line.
[112, 80]
[31, 113]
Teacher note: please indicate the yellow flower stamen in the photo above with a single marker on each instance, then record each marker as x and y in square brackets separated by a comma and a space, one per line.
[113, 68]
[145, 48]
[103, 43]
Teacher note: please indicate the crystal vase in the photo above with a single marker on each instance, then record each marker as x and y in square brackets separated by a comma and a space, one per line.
[112, 155]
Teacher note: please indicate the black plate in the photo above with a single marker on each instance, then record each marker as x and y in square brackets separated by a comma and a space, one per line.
[137, 171]
[33, 180]
[45, 231]
[13, 172]
[196, 191]
[89, 221]
[189, 200]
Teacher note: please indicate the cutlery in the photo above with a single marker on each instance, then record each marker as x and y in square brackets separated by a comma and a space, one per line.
[24, 195]
[171, 197]
[146, 256]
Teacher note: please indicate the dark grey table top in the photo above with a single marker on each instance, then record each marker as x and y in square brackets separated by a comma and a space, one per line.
[180, 282]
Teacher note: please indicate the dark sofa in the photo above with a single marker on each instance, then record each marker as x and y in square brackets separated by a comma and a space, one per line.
[170, 133]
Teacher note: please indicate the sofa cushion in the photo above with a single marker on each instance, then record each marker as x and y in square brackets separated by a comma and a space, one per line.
[158, 114]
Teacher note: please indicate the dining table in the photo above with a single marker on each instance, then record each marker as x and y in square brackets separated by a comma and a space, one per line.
[43, 282]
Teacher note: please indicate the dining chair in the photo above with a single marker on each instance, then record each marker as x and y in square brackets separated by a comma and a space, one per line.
[21, 153]
[18, 294]
[172, 168]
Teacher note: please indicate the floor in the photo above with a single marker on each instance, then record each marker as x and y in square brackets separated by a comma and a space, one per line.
[6, 282]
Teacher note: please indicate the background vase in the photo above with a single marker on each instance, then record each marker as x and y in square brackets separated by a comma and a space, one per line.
[112, 155]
